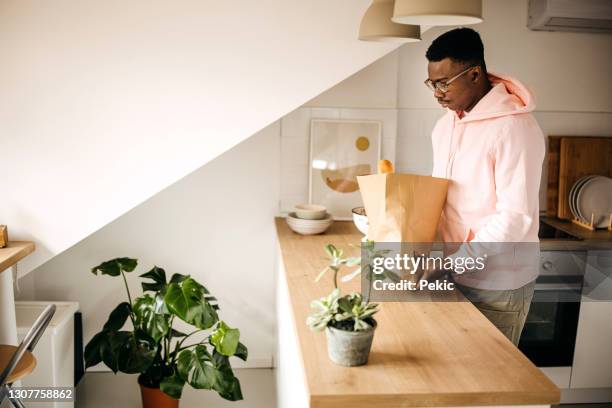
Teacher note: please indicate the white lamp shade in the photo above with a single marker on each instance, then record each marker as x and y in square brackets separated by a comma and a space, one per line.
[438, 12]
[376, 25]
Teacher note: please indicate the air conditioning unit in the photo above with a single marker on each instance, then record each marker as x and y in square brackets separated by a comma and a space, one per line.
[593, 16]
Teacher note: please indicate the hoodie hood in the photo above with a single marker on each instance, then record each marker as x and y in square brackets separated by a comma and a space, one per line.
[508, 96]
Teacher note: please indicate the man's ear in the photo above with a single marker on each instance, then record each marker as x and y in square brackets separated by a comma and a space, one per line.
[476, 74]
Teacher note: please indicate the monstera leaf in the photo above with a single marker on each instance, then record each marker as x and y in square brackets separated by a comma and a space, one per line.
[135, 352]
[158, 276]
[148, 319]
[225, 339]
[93, 350]
[187, 300]
[100, 342]
[125, 351]
[118, 317]
[202, 370]
[128, 352]
[114, 267]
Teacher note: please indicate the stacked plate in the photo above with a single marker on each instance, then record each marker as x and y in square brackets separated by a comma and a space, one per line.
[591, 196]
[309, 219]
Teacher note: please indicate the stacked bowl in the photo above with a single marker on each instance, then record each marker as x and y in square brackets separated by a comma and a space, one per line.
[309, 219]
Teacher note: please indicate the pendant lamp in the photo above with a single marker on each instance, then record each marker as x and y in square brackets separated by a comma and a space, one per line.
[438, 12]
[376, 25]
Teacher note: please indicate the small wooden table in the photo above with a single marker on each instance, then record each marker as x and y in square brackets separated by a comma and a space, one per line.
[14, 252]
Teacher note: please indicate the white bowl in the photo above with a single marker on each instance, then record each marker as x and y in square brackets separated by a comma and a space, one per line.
[310, 211]
[309, 227]
[360, 219]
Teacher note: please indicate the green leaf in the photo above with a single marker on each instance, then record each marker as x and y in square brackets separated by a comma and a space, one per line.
[154, 324]
[110, 349]
[128, 352]
[353, 261]
[225, 339]
[196, 368]
[93, 349]
[241, 352]
[158, 276]
[187, 301]
[178, 278]
[114, 267]
[160, 304]
[345, 304]
[331, 250]
[135, 352]
[173, 386]
[322, 273]
[226, 384]
[117, 318]
[230, 389]
[203, 372]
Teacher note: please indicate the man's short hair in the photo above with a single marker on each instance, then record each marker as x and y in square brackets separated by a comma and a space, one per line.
[461, 45]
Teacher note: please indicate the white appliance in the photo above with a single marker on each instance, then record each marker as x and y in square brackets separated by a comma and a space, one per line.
[593, 16]
[55, 350]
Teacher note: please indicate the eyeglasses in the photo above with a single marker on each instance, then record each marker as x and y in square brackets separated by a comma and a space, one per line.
[443, 86]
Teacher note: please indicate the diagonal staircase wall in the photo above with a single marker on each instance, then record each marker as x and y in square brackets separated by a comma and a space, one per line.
[104, 104]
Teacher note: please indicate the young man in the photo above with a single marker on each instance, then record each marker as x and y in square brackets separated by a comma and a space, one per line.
[491, 149]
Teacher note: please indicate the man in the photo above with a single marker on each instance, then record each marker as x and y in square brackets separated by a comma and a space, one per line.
[491, 149]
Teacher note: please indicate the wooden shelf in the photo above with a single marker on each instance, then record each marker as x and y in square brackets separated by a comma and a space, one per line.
[14, 252]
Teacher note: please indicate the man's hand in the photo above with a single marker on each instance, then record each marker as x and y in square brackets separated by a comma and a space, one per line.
[433, 275]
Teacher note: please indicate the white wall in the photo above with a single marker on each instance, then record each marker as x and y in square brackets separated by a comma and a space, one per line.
[105, 103]
[374, 87]
[217, 224]
[370, 94]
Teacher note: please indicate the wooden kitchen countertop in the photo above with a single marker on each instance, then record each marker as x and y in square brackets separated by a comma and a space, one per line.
[14, 252]
[424, 354]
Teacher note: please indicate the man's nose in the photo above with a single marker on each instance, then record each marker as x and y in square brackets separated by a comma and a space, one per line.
[438, 94]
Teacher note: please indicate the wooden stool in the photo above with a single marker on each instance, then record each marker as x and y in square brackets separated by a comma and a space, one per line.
[24, 367]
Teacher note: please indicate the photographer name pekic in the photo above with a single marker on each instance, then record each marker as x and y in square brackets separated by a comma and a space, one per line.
[410, 285]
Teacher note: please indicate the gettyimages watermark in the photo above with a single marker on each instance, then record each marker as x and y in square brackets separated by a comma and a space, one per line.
[406, 271]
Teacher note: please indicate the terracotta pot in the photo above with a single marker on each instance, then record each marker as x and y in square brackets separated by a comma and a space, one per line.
[156, 398]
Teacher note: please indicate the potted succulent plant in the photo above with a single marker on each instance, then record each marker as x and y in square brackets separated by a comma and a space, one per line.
[347, 320]
[157, 351]
[348, 324]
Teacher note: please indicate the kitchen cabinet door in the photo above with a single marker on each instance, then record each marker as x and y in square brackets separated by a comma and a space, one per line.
[592, 366]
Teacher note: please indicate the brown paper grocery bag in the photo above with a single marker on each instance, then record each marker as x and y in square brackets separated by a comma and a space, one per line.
[402, 207]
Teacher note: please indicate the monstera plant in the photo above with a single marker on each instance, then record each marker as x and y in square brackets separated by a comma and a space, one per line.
[162, 355]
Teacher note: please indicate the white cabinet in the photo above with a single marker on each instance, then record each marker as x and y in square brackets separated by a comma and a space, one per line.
[592, 366]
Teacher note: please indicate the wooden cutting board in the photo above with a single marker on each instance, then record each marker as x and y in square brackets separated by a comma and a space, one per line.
[580, 156]
[552, 185]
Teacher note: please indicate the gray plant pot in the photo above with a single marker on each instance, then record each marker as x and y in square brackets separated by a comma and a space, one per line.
[349, 348]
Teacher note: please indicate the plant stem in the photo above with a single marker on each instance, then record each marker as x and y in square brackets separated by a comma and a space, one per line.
[167, 342]
[368, 284]
[186, 347]
[178, 347]
[335, 269]
[129, 299]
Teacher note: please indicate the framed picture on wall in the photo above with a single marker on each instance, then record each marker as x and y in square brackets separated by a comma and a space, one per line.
[341, 150]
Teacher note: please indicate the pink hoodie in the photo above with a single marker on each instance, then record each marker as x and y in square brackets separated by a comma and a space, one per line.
[493, 157]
